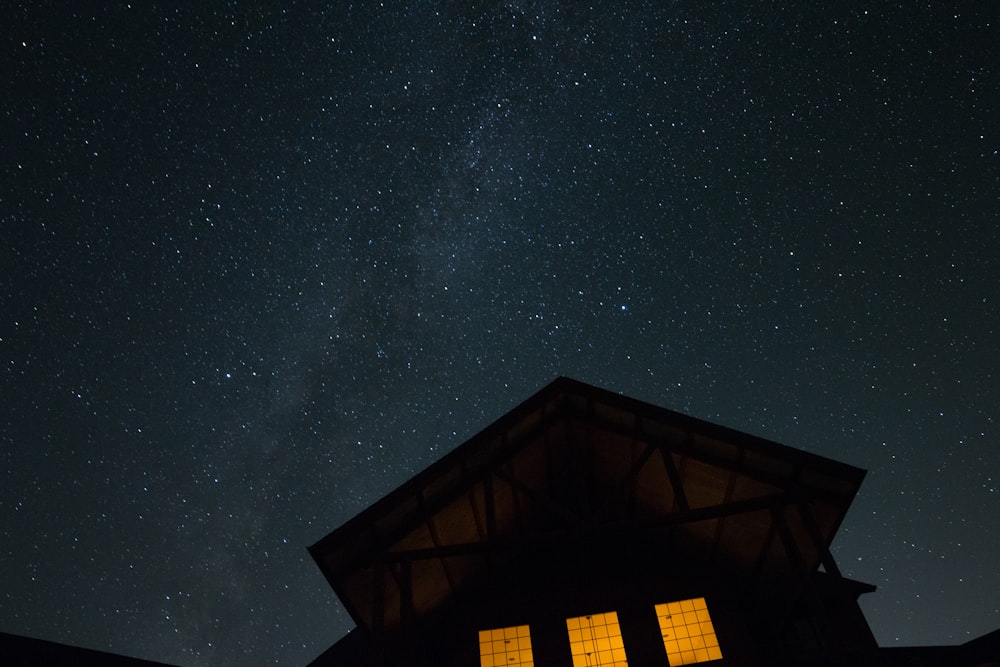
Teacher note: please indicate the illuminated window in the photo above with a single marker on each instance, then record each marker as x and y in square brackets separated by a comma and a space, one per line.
[688, 634]
[596, 640]
[505, 647]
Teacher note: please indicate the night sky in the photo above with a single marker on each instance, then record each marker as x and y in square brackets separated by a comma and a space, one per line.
[262, 262]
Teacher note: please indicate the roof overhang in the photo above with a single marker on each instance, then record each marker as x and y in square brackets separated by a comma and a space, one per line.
[573, 463]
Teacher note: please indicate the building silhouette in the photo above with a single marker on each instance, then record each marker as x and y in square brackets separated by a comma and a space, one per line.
[584, 528]
[22, 651]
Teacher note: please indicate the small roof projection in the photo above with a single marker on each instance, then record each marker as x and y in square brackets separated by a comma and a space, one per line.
[575, 462]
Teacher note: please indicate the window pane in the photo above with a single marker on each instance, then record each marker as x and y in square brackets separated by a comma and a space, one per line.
[506, 647]
[688, 633]
[596, 640]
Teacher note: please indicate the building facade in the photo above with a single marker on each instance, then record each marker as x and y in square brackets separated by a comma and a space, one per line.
[584, 528]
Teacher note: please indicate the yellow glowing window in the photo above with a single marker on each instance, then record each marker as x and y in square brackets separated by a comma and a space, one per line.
[596, 640]
[688, 633]
[510, 647]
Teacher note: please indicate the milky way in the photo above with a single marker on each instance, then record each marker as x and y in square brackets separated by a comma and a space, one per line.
[260, 265]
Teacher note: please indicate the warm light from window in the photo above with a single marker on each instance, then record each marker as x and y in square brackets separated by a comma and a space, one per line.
[596, 640]
[505, 647]
[688, 633]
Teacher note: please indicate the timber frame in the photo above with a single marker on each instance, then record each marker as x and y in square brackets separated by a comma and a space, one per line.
[575, 464]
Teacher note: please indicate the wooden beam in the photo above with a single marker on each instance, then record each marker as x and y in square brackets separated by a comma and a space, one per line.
[796, 457]
[437, 543]
[595, 532]
[491, 511]
[728, 498]
[472, 468]
[406, 610]
[806, 585]
[829, 564]
[675, 478]
[378, 597]
[626, 483]
[552, 506]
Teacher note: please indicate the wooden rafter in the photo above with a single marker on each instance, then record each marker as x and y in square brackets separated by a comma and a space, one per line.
[546, 476]
[680, 498]
[626, 483]
[589, 532]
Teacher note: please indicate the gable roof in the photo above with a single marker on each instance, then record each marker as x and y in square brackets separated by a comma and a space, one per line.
[575, 462]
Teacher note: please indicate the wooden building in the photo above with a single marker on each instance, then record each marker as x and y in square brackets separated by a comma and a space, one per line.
[584, 528]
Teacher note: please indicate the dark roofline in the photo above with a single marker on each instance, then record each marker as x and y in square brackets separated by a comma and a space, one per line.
[565, 385]
[22, 650]
[564, 397]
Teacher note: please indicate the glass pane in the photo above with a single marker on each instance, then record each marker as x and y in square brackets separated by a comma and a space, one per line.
[595, 640]
[505, 647]
[688, 633]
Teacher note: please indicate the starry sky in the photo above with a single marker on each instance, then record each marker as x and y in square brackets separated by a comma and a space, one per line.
[261, 262]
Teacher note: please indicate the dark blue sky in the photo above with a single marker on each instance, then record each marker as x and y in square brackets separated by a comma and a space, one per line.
[261, 264]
